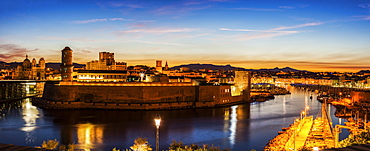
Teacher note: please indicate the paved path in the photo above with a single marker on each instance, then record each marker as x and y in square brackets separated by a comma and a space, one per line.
[301, 134]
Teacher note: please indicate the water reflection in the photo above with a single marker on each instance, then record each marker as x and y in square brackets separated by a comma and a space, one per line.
[233, 122]
[242, 127]
[89, 134]
[284, 105]
[30, 114]
[226, 119]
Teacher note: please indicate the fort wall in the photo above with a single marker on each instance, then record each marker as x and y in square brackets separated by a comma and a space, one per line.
[135, 96]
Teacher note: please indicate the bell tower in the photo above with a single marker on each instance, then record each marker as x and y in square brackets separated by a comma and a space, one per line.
[166, 66]
[66, 68]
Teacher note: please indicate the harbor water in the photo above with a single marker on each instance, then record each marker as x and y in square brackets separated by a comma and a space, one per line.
[240, 127]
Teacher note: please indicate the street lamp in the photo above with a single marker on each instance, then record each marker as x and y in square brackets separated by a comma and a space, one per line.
[142, 77]
[316, 148]
[157, 121]
[303, 114]
[306, 110]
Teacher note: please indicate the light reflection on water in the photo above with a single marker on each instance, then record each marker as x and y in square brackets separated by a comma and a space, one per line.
[233, 123]
[89, 134]
[241, 127]
[30, 114]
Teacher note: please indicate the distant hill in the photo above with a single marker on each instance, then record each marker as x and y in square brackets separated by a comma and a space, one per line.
[286, 69]
[364, 71]
[229, 67]
[208, 66]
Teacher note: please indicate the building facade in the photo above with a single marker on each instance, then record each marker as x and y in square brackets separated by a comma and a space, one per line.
[30, 70]
[106, 62]
[101, 75]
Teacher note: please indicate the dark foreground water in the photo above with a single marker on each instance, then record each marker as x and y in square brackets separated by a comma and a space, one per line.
[240, 127]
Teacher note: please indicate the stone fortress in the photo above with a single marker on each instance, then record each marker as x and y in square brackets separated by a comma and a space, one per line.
[71, 93]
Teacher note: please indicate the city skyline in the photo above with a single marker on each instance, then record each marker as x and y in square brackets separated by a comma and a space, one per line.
[307, 35]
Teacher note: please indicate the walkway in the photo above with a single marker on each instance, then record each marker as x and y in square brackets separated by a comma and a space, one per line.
[303, 129]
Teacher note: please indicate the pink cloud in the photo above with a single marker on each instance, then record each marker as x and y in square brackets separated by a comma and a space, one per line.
[9, 52]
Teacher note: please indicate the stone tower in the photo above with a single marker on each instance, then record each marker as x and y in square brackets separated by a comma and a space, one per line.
[158, 65]
[66, 68]
[242, 82]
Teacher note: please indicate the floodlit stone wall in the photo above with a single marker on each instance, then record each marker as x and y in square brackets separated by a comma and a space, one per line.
[136, 96]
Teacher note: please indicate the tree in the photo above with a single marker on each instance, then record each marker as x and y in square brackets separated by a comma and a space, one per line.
[141, 144]
[53, 144]
[179, 146]
[50, 144]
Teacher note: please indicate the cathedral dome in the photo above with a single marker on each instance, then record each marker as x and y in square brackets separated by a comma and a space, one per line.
[26, 62]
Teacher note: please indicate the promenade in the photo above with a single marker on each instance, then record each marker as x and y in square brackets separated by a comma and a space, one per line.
[299, 137]
[293, 137]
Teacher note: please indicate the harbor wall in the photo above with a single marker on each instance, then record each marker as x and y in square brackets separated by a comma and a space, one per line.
[119, 94]
[136, 96]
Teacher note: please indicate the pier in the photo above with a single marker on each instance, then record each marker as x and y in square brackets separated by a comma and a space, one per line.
[298, 139]
[305, 133]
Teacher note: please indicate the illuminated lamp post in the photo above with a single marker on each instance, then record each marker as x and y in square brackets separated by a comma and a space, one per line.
[315, 148]
[306, 110]
[142, 77]
[157, 121]
[303, 114]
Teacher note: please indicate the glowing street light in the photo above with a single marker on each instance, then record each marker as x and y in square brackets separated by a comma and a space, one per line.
[157, 121]
[316, 148]
[303, 113]
[142, 77]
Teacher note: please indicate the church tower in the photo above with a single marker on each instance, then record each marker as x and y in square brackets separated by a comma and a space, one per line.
[33, 62]
[166, 66]
[42, 63]
[66, 68]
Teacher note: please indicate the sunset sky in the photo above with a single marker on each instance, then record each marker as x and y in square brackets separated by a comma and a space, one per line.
[315, 35]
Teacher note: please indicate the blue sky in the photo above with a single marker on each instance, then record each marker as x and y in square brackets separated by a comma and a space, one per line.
[328, 35]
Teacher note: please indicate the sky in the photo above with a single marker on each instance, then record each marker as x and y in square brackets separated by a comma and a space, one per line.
[315, 35]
